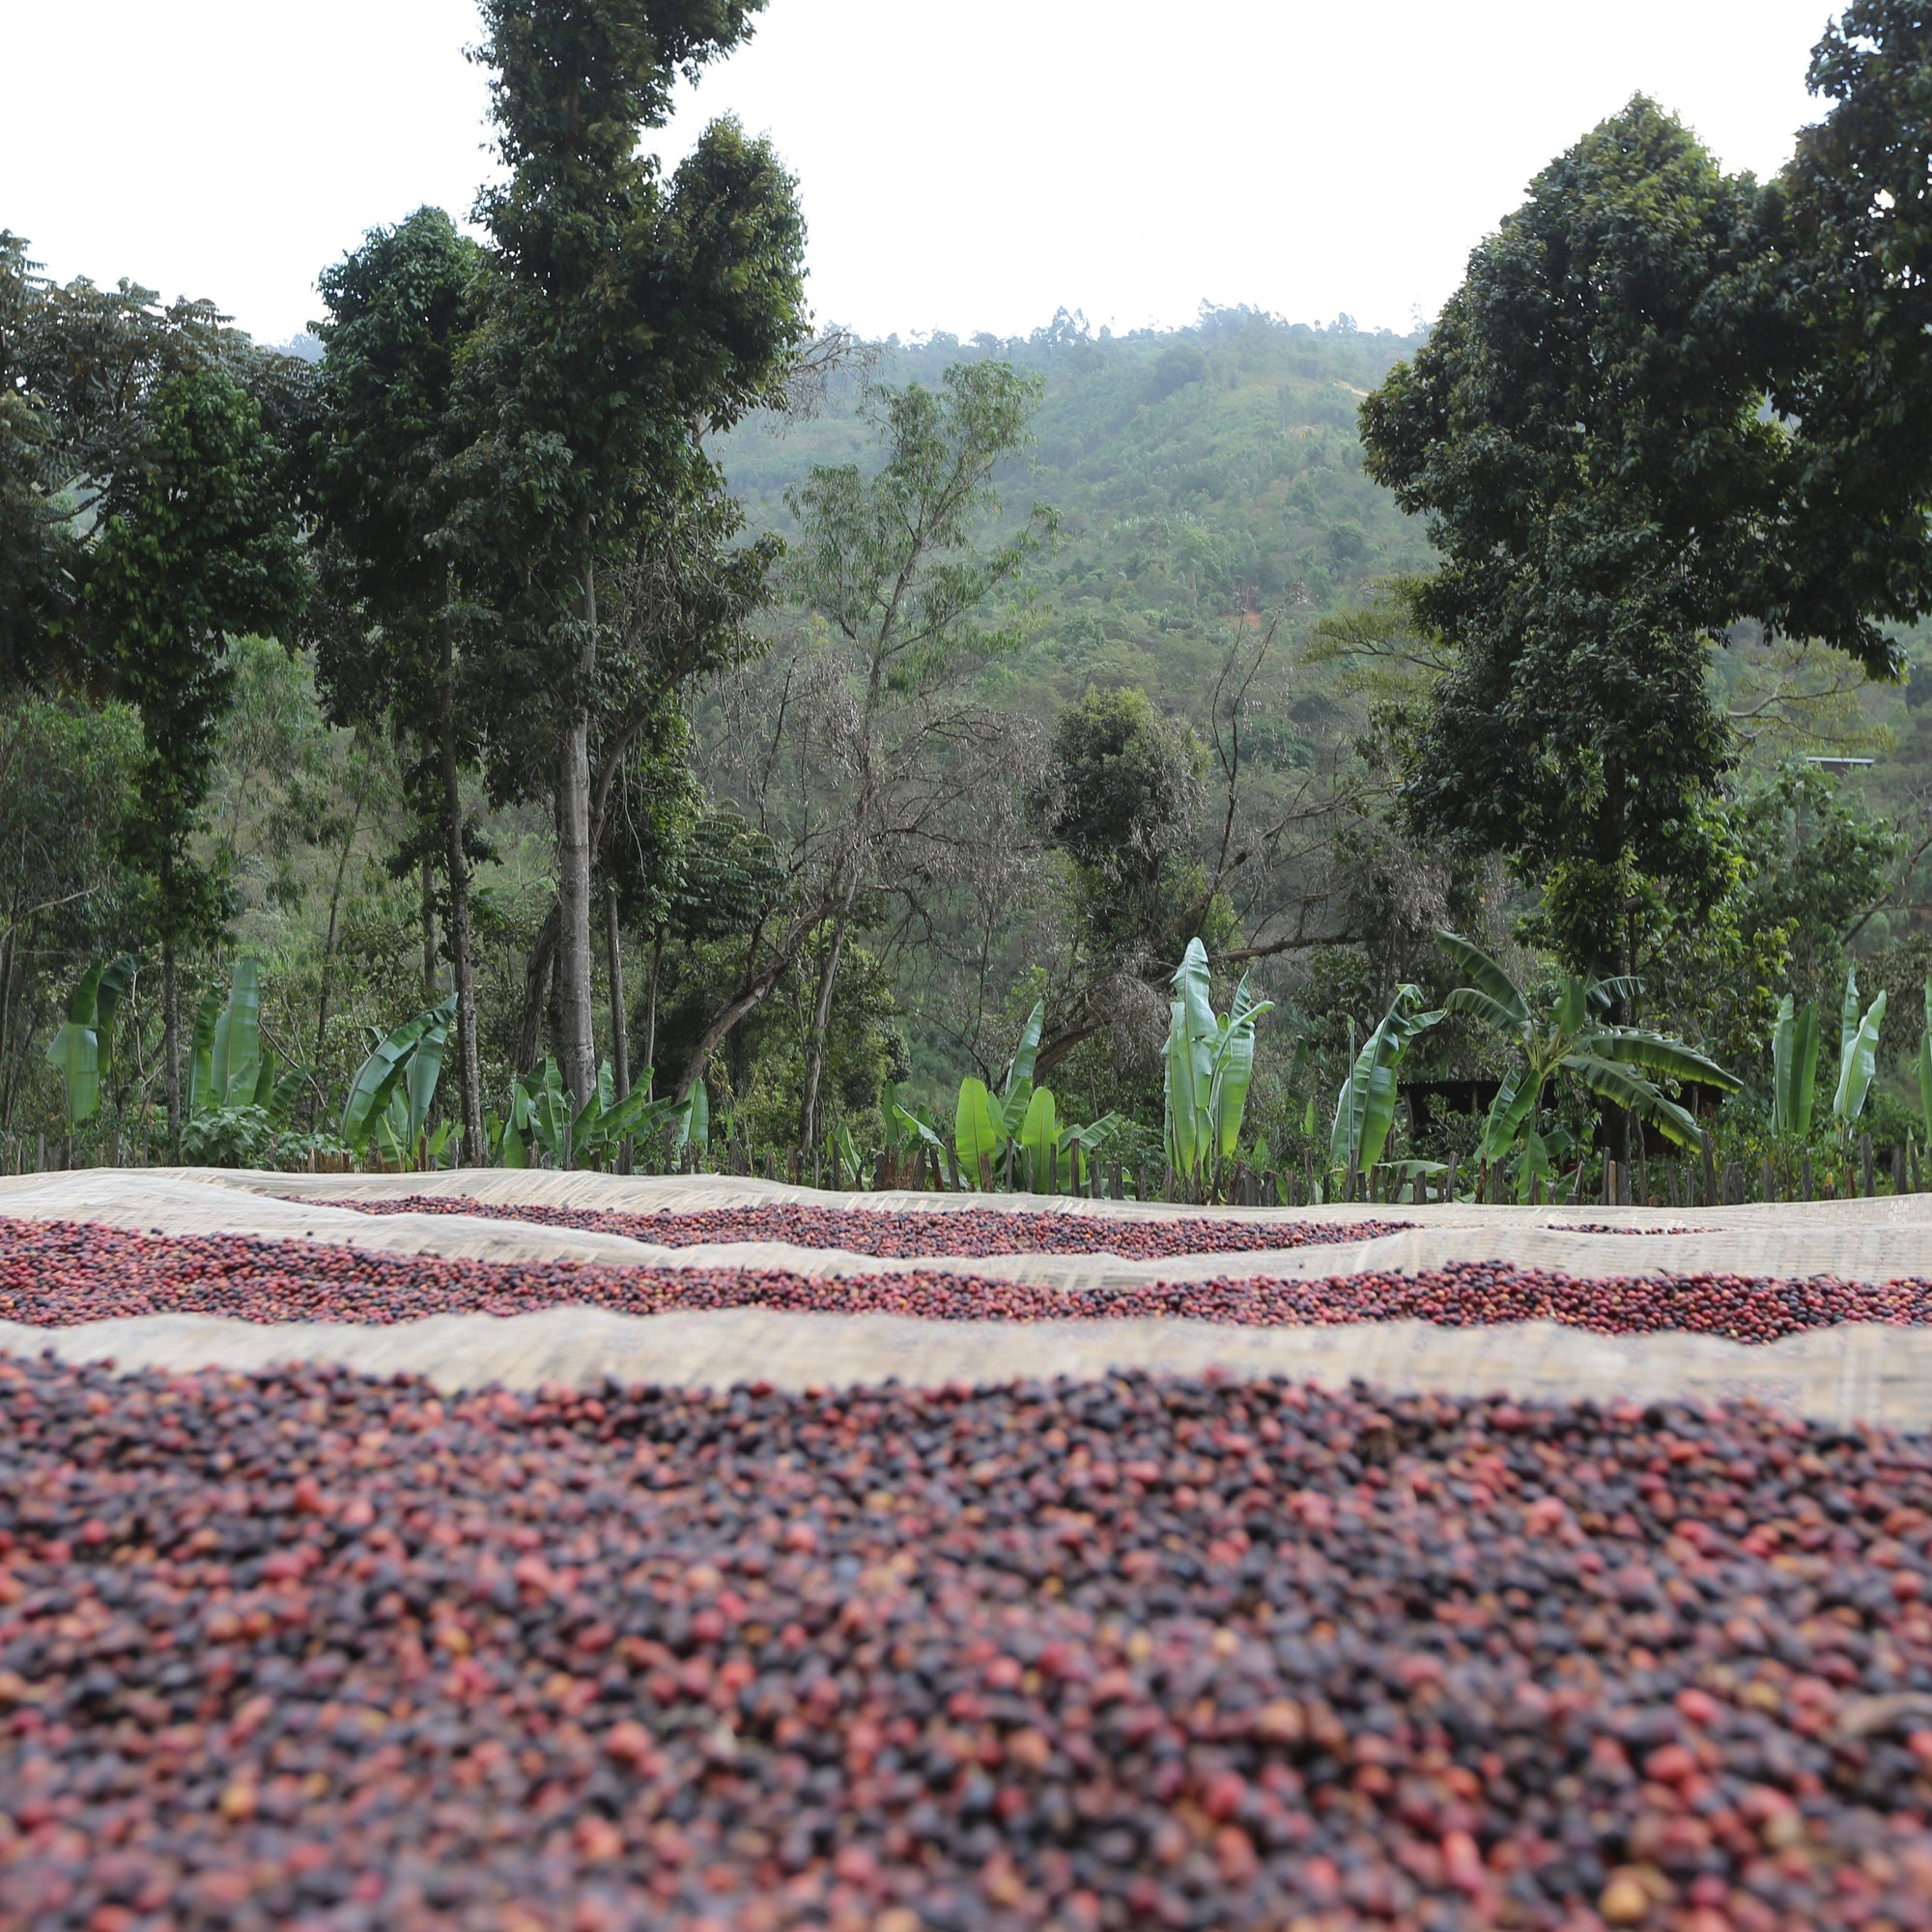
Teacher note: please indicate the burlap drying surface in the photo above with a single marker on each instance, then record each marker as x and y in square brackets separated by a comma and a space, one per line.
[1842, 1375]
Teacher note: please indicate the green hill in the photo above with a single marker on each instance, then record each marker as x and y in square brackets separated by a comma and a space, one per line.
[1200, 473]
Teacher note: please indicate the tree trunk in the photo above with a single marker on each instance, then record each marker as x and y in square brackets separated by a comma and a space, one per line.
[429, 932]
[329, 953]
[468, 1069]
[751, 994]
[651, 1017]
[536, 992]
[171, 1047]
[620, 1044]
[576, 1044]
[821, 1017]
[620, 1041]
[1620, 1129]
[7, 1014]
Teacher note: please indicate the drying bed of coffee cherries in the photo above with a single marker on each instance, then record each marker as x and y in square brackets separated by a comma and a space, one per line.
[906, 1233]
[63, 1273]
[1609, 1227]
[314, 1650]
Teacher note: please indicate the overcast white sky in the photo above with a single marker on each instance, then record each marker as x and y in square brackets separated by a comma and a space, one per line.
[962, 167]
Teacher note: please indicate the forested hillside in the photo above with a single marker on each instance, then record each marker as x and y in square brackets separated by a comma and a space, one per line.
[1199, 474]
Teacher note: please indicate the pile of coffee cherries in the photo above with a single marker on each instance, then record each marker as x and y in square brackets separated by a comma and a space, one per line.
[58, 1274]
[905, 1233]
[312, 1651]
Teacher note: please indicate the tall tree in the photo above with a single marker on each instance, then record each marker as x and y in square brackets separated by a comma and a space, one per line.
[80, 369]
[197, 545]
[32, 566]
[629, 312]
[383, 477]
[1585, 432]
[1853, 282]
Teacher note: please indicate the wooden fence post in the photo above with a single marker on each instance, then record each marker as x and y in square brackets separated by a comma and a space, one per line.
[1710, 1170]
[1865, 1164]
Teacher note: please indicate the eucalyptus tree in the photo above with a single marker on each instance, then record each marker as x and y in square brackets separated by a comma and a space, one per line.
[384, 478]
[630, 311]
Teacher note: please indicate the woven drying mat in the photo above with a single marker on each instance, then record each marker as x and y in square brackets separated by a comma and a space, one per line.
[1848, 1374]
[1844, 1377]
[1885, 1240]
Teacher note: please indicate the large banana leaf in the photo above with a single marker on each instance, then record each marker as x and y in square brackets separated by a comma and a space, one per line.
[1604, 993]
[201, 1061]
[547, 1115]
[1366, 1101]
[1574, 1006]
[425, 1067]
[692, 1122]
[1009, 1110]
[75, 1049]
[1654, 1054]
[1516, 1099]
[1794, 1067]
[590, 1128]
[1365, 1107]
[1191, 1038]
[975, 1135]
[918, 1130]
[1228, 1093]
[636, 1115]
[116, 982]
[1181, 1128]
[1857, 1063]
[1020, 1072]
[238, 1037]
[282, 1095]
[1476, 1003]
[1612, 1081]
[1535, 1165]
[1039, 1135]
[1234, 1069]
[1489, 978]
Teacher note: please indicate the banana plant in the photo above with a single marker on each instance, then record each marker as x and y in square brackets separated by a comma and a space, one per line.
[1569, 1036]
[229, 1068]
[82, 1050]
[1858, 1053]
[910, 1133]
[1209, 1064]
[1365, 1107]
[604, 1122]
[982, 1122]
[400, 1071]
[1794, 1067]
[544, 1116]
